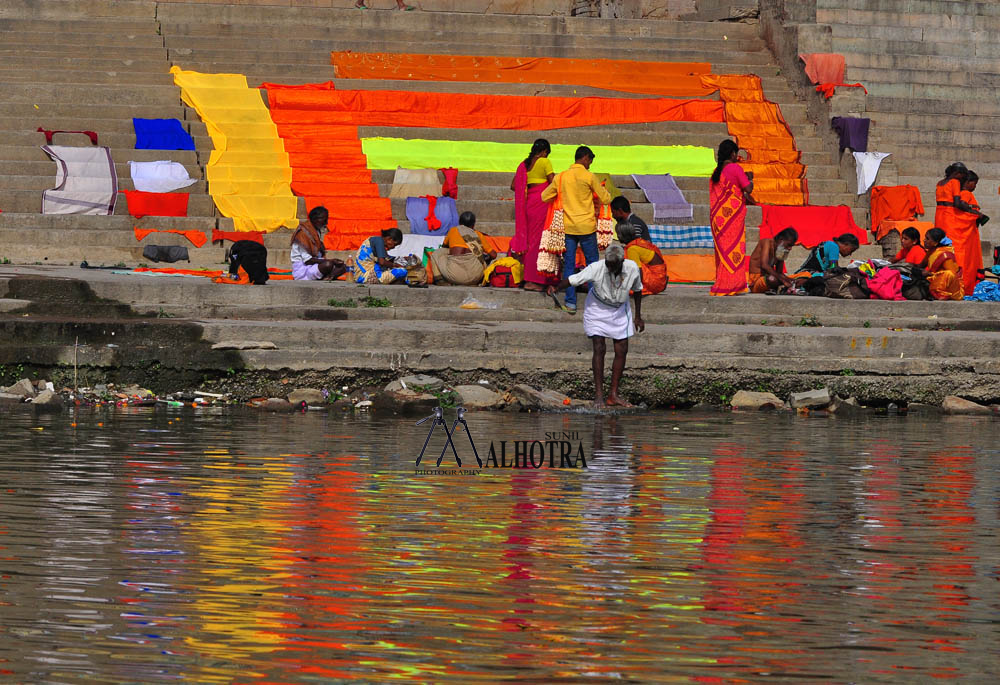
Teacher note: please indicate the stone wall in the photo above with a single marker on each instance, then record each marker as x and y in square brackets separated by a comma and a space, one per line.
[611, 9]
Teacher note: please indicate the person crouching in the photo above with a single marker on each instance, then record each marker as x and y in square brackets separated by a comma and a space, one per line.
[607, 314]
[308, 256]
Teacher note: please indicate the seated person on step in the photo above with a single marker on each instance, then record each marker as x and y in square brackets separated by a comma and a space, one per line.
[826, 255]
[943, 272]
[464, 254]
[647, 255]
[621, 210]
[308, 262]
[372, 263]
[767, 263]
[911, 252]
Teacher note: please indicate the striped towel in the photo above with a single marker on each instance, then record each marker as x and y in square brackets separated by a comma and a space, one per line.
[678, 237]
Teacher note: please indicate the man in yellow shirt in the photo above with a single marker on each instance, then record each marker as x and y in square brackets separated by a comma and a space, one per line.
[576, 188]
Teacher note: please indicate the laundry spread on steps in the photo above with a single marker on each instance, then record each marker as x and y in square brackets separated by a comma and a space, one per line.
[86, 181]
[248, 172]
[161, 134]
[142, 204]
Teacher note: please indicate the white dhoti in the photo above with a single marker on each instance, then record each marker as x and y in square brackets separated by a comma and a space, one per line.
[607, 321]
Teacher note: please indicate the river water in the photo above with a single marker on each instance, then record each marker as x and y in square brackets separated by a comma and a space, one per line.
[144, 546]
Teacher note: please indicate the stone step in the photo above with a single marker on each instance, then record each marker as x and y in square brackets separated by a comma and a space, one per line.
[953, 65]
[87, 10]
[33, 153]
[942, 21]
[973, 46]
[949, 7]
[122, 76]
[48, 50]
[352, 21]
[44, 182]
[937, 137]
[26, 201]
[872, 76]
[40, 112]
[72, 26]
[31, 224]
[38, 93]
[931, 122]
[107, 40]
[103, 126]
[968, 106]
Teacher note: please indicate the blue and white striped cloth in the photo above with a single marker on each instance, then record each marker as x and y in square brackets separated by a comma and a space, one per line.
[680, 237]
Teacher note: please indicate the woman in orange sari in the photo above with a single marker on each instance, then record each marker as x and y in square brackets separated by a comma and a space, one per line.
[943, 272]
[730, 194]
[965, 235]
[649, 258]
[947, 191]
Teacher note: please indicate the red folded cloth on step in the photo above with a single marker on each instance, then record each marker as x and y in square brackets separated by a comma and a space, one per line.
[197, 238]
[433, 223]
[450, 187]
[828, 88]
[814, 224]
[49, 134]
[218, 236]
[141, 203]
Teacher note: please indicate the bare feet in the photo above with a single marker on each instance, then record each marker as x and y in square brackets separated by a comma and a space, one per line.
[534, 287]
[615, 401]
[599, 402]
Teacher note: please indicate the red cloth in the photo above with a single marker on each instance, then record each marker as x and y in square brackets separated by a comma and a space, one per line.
[49, 134]
[218, 236]
[433, 223]
[829, 88]
[141, 203]
[824, 67]
[814, 224]
[895, 203]
[197, 238]
[450, 187]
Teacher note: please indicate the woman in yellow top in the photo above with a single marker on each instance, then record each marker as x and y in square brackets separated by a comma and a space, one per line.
[943, 272]
[533, 176]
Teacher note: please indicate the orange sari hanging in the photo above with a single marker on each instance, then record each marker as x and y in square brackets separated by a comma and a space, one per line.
[965, 241]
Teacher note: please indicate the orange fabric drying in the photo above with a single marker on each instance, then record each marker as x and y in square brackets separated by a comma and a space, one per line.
[759, 128]
[216, 275]
[893, 203]
[690, 268]
[329, 168]
[197, 238]
[326, 85]
[653, 78]
[824, 67]
[235, 236]
[182, 272]
[966, 243]
[463, 110]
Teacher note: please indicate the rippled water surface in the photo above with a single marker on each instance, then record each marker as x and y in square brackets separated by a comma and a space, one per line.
[240, 547]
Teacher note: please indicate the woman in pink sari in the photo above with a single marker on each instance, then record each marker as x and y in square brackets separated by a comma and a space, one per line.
[730, 194]
[533, 176]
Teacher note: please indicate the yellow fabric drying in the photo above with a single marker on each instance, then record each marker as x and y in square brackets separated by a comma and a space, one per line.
[248, 172]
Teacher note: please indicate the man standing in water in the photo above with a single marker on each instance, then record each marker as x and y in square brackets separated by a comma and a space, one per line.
[608, 315]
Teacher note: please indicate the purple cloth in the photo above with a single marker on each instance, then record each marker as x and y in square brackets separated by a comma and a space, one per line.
[662, 191]
[853, 132]
[445, 211]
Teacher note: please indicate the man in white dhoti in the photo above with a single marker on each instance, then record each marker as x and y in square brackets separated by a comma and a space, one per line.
[608, 315]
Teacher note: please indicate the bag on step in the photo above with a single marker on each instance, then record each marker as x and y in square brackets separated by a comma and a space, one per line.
[846, 284]
[165, 253]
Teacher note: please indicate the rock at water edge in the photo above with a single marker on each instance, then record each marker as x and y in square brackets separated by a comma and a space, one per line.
[47, 399]
[810, 399]
[530, 398]
[311, 396]
[278, 404]
[406, 402]
[23, 388]
[746, 399]
[416, 383]
[476, 397]
[957, 405]
[842, 407]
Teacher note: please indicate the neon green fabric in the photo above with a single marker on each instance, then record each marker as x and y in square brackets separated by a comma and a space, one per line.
[476, 155]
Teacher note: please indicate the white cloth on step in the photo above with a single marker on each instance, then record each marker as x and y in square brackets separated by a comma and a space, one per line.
[415, 244]
[868, 164]
[159, 177]
[86, 182]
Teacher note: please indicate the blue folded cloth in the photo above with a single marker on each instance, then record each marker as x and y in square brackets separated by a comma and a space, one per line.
[161, 134]
[986, 291]
[445, 211]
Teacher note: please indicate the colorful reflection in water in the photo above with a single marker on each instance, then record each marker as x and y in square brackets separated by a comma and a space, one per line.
[239, 547]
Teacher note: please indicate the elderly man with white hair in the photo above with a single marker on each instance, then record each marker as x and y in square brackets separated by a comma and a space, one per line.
[607, 314]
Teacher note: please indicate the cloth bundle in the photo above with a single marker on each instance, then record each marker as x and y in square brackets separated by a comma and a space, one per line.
[86, 181]
[896, 203]
[668, 200]
[814, 224]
